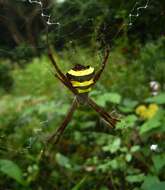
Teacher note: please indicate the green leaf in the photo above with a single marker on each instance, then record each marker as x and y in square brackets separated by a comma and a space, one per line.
[149, 181]
[78, 186]
[124, 109]
[63, 109]
[159, 186]
[155, 186]
[113, 163]
[126, 122]
[159, 161]
[63, 161]
[150, 124]
[12, 170]
[128, 157]
[135, 178]
[130, 103]
[135, 148]
[114, 98]
[159, 99]
[46, 107]
[108, 97]
[113, 147]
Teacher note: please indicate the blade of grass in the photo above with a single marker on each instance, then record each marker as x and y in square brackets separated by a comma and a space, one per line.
[78, 186]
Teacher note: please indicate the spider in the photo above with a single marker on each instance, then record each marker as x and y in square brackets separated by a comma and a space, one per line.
[80, 80]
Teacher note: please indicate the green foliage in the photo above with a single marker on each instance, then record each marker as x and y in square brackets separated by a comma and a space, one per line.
[6, 80]
[160, 99]
[78, 186]
[153, 123]
[80, 21]
[152, 60]
[12, 170]
[90, 155]
[152, 182]
[159, 162]
[102, 99]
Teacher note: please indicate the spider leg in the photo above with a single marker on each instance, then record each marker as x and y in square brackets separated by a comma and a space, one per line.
[60, 75]
[59, 72]
[66, 84]
[105, 115]
[55, 137]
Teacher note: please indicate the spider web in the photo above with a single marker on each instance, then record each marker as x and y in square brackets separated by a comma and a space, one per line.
[58, 24]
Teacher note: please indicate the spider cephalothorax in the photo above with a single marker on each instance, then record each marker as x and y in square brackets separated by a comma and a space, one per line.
[79, 81]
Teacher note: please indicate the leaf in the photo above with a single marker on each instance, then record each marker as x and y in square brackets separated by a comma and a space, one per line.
[124, 109]
[149, 181]
[46, 107]
[113, 147]
[63, 109]
[135, 178]
[159, 186]
[128, 157]
[150, 124]
[159, 162]
[155, 186]
[159, 99]
[63, 161]
[113, 163]
[12, 170]
[114, 98]
[126, 122]
[78, 186]
[108, 97]
[128, 105]
[135, 148]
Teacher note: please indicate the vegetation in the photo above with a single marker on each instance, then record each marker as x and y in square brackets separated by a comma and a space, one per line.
[90, 155]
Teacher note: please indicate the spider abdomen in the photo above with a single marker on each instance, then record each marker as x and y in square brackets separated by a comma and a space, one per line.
[81, 78]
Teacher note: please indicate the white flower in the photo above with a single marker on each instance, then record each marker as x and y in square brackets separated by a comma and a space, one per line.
[154, 147]
[154, 85]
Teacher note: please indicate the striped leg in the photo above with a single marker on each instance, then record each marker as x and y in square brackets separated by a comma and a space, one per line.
[105, 115]
[68, 85]
[55, 137]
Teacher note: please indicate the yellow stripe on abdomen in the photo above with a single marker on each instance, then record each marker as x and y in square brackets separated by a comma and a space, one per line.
[82, 84]
[80, 73]
[80, 91]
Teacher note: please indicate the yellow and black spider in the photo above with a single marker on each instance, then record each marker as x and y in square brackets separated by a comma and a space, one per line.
[79, 80]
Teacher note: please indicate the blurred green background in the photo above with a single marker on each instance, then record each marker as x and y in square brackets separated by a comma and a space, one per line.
[33, 103]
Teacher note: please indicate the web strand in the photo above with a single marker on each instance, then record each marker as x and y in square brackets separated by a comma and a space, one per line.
[135, 12]
[46, 17]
